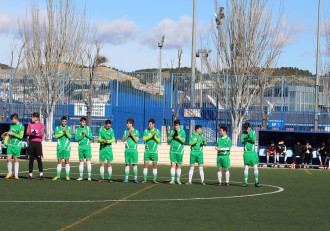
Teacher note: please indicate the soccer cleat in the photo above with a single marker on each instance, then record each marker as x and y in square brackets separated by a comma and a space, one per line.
[226, 184]
[16, 178]
[125, 181]
[136, 181]
[110, 181]
[203, 183]
[67, 178]
[101, 180]
[172, 182]
[56, 178]
[80, 179]
[42, 178]
[143, 182]
[188, 183]
[89, 179]
[178, 182]
[244, 185]
[9, 176]
[257, 185]
[155, 182]
[219, 183]
[29, 177]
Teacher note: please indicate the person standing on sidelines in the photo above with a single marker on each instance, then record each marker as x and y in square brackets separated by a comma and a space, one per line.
[250, 155]
[196, 143]
[63, 134]
[16, 133]
[131, 137]
[35, 132]
[84, 137]
[223, 161]
[152, 137]
[106, 138]
[177, 138]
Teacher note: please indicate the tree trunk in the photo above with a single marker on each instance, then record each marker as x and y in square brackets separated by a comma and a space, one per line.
[89, 100]
[49, 122]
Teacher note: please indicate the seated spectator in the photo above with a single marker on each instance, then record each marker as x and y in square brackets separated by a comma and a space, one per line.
[323, 152]
[307, 153]
[271, 150]
[281, 150]
[297, 151]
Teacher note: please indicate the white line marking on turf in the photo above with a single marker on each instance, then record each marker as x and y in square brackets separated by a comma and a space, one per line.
[279, 190]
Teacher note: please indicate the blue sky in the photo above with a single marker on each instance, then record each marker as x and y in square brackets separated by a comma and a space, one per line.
[131, 29]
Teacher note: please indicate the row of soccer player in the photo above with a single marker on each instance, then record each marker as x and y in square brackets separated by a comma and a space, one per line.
[106, 136]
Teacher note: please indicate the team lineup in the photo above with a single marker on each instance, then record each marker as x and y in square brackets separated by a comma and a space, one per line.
[106, 137]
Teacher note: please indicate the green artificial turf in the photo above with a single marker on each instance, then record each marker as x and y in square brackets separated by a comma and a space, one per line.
[53, 205]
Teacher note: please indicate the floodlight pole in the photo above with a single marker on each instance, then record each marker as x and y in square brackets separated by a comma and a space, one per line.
[193, 57]
[317, 78]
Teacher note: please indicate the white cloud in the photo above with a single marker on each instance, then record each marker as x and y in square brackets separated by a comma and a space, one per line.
[325, 28]
[118, 32]
[176, 33]
[296, 30]
[289, 33]
[8, 24]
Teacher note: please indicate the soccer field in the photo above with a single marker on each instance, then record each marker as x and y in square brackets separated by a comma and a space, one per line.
[288, 200]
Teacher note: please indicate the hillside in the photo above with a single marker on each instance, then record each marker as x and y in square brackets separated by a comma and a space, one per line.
[4, 66]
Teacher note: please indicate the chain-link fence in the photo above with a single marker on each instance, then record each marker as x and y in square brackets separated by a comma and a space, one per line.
[273, 102]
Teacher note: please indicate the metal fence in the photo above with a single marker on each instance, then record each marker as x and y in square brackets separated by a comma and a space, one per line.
[288, 103]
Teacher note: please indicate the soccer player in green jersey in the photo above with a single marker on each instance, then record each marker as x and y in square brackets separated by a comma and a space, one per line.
[196, 143]
[131, 137]
[223, 161]
[63, 134]
[106, 138]
[250, 155]
[84, 137]
[177, 138]
[152, 137]
[16, 133]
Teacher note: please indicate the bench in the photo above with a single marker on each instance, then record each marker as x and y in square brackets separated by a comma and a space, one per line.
[290, 138]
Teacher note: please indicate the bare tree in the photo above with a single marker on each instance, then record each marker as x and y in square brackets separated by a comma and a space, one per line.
[18, 52]
[327, 35]
[94, 61]
[250, 42]
[54, 43]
